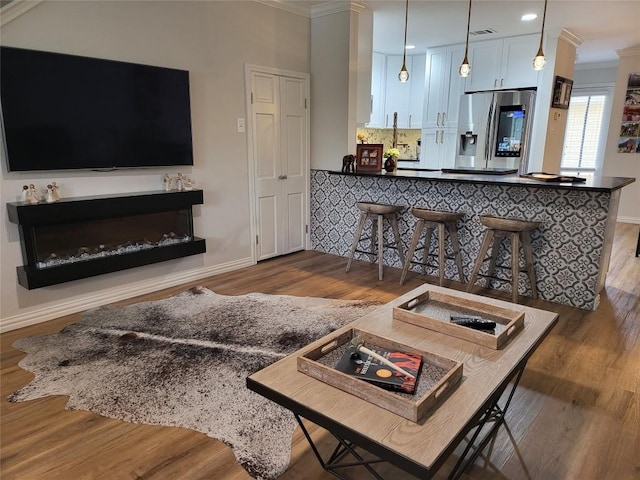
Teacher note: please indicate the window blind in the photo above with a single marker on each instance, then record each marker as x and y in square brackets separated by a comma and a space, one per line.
[584, 131]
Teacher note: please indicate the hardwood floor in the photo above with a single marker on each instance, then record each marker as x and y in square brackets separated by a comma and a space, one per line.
[576, 412]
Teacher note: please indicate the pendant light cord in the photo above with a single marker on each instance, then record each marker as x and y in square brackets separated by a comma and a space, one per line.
[406, 21]
[544, 17]
[403, 76]
[466, 48]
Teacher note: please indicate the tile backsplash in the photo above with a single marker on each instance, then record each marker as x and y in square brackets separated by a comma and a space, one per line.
[407, 139]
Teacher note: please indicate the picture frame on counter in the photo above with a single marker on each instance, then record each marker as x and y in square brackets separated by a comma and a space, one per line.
[369, 157]
[561, 92]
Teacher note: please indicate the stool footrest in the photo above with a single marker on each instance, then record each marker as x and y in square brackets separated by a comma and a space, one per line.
[448, 256]
[522, 269]
[497, 279]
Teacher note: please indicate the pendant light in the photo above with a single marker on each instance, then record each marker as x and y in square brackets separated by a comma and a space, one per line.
[403, 76]
[465, 68]
[539, 61]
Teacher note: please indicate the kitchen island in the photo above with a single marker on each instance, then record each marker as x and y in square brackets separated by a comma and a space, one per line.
[571, 248]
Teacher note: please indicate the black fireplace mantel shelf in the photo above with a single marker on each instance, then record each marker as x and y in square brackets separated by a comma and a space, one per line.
[69, 214]
[101, 206]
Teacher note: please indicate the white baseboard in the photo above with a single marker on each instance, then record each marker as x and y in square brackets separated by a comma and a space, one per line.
[628, 220]
[116, 294]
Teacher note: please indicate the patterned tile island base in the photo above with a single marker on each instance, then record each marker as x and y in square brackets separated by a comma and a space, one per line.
[571, 248]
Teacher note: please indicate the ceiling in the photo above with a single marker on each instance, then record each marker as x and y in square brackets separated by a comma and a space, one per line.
[604, 26]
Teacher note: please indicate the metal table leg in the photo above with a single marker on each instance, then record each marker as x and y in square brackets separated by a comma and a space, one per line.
[494, 415]
[343, 448]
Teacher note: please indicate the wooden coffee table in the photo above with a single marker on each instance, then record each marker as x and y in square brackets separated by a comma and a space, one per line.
[475, 409]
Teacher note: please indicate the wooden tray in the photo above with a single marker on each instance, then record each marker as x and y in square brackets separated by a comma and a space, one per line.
[432, 310]
[318, 362]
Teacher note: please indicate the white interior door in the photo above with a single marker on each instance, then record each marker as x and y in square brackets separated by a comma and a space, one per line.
[279, 146]
[293, 148]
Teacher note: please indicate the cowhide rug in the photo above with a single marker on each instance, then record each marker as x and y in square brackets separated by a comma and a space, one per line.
[183, 361]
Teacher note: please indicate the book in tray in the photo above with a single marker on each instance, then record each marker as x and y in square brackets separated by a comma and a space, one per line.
[365, 367]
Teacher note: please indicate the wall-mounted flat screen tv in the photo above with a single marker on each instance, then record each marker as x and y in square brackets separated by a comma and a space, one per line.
[69, 112]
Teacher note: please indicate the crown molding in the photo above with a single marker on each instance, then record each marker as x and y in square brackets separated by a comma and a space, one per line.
[629, 52]
[595, 65]
[16, 8]
[568, 36]
[297, 8]
[330, 8]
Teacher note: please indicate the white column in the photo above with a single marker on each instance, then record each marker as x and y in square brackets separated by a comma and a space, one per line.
[340, 69]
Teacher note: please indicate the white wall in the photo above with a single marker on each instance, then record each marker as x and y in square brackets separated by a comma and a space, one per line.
[212, 40]
[623, 164]
[330, 76]
[557, 121]
[341, 42]
[595, 75]
[547, 136]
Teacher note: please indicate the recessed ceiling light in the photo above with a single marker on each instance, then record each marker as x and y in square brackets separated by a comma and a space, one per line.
[410, 47]
[527, 17]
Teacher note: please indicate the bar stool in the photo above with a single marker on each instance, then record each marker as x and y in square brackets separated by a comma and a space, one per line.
[443, 222]
[517, 231]
[378, 213]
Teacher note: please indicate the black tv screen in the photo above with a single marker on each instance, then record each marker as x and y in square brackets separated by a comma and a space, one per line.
[69, 112]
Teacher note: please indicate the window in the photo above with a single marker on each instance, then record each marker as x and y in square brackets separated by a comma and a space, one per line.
[586, 131]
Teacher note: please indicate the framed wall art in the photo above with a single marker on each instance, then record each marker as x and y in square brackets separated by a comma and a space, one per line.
[561, 92]
[629, 140]
[369, 157]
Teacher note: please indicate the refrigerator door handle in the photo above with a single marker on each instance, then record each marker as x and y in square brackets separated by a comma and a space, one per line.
[487, 138]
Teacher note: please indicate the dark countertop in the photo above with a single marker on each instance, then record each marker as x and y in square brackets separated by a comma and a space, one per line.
[600, 184]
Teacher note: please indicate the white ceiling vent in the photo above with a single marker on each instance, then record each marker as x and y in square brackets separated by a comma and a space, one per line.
[485, 31]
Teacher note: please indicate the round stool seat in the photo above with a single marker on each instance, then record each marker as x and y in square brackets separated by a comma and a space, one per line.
[378, 208]
[377, 214]
[508, 224]
[517, 233]
[440, 222]
[436, 215]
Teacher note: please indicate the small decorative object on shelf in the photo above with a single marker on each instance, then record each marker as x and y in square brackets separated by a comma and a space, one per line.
[33, 196]
[25, 193]
[362, 138]
[50, 196]
[188, 183]
[56, 193]
[167, 182]
[369, 157]
[348, 164]
[391, 161]
[180, 182]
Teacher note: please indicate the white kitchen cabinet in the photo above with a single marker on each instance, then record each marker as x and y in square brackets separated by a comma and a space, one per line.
[417, 90]
[438, 148]
[517, 55]
[389, 95]
[378, 74]
[396, 98]
[502, 63]
[443, 87]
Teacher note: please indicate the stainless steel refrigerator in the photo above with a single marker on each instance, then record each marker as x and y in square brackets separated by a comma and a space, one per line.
[494, 130]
